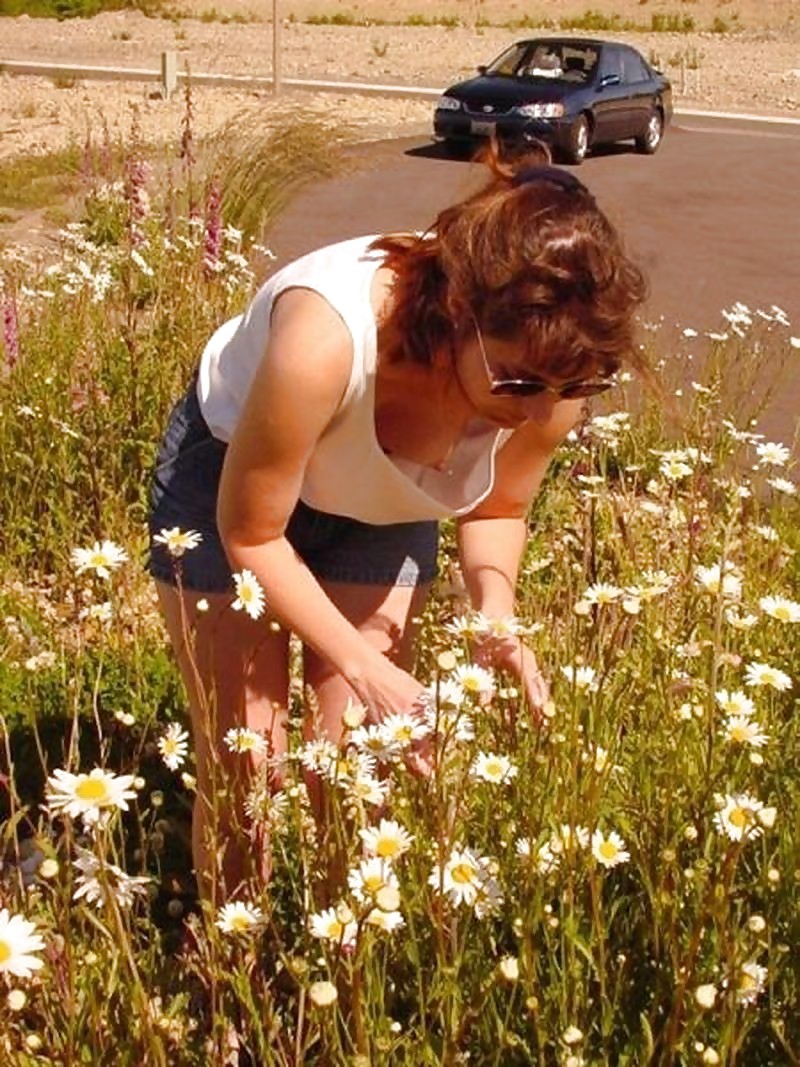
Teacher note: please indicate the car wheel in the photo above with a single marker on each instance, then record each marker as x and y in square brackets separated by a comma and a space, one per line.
[455, 148]
[649, 141]
[578, 143]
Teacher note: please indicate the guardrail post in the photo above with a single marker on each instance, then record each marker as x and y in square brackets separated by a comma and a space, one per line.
[169, 74]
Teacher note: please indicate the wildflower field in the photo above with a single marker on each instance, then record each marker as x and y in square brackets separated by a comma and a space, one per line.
[617, 885]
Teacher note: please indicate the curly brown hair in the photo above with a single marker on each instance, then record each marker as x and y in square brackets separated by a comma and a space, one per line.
[528, 260]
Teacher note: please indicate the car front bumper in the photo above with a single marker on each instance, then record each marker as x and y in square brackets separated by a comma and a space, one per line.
[464, 126]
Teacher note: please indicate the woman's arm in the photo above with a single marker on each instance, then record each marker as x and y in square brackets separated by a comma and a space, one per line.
[296, 391]
[492, 539]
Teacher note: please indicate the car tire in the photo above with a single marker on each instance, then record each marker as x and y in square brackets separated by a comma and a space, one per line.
[578, 143]
[456, 148]
[648, 142]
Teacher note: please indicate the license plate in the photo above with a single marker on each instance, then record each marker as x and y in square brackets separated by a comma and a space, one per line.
[481, 127]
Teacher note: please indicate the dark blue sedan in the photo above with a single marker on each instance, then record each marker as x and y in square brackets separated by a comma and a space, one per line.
[573, 93]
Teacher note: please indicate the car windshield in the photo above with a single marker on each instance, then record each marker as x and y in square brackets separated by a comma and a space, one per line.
[559, 61]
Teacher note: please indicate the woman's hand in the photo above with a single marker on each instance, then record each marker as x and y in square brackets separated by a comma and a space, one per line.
[510, 654]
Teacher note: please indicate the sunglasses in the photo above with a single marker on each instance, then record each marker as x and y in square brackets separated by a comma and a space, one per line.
[580, 388]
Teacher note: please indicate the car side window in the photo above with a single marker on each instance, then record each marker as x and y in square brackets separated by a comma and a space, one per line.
[612, 63]
[633, 68]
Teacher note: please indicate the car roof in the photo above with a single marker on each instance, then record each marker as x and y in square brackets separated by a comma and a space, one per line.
[594, 41]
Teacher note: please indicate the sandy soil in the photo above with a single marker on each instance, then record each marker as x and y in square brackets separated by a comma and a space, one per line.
[754, 70]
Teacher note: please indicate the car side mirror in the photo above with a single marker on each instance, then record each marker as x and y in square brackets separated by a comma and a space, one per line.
[609, 79]
[482, 68]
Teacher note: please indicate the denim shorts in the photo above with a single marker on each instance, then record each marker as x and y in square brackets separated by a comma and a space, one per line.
[335, 548]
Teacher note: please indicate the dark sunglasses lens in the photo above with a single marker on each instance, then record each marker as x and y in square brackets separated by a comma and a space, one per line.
[518, 387]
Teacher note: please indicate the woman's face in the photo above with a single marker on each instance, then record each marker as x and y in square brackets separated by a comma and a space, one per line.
[483, 361]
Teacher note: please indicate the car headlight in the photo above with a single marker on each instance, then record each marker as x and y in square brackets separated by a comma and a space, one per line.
[448, 103]
[541, 111]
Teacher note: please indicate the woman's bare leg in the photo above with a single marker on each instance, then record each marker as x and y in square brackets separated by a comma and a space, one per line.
[384, 615]
[236, 674]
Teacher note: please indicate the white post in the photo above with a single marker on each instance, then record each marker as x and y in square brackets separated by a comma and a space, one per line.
[276, 48]
[169, 74]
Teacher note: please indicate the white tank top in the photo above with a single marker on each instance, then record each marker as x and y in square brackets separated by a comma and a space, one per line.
[348, 472]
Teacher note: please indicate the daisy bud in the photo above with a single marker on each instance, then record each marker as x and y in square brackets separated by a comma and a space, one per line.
[773, 875]
[16, 1000]
[446, 661]
[710, 1056]
[757, 924]
[705, 995]
[48, 869]
[353, 715]
[572, 1035]
[509, 968]
[767, 816]
[323, 994]
[388, 898]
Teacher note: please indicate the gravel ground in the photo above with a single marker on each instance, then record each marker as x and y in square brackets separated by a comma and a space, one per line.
[41, 114]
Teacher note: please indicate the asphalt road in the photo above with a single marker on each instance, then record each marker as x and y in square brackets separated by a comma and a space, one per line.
[713, 217]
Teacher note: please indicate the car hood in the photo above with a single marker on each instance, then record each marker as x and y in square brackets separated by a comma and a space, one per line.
[509, 91]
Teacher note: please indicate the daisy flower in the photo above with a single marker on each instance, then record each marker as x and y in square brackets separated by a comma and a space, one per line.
[717, 580]
[475, 681]
[772, 454]
[750, 982]
[402, 729]
[238, 917]
[387, 921]
[493, 768]
[243, 739]
[502, 626]
[18, 943]
[609, 850]
[370, 877]
[466, 879]
[102, 558]
[780, 608]
[365, 789]
[739, 621]
[760, 674]
[388, 840]
[372, 739]
[741, 730]
[583, 678]
[568, 838]
[98, 881]
[173, 746]
[738, 818]
[602, 593]
[327, 925]
[87, 795]
[249, 594]
[177, 541]
[321, 757]
[783, 485]
[674, 469]
[735, 703]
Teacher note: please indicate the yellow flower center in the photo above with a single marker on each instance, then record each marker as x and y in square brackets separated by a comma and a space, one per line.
[92, 790]
[747, 982]
[462, 873]
[98, 559]
[608, 850]
[5, 952]
[738, 734]
[373, 883]
[336, 929]
[387, 847]
[403, 733]
[739, 817]
[494, 768]
[471, 684]
[240, 923]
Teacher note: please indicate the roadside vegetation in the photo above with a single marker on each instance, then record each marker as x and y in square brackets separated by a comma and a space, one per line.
[617, 885]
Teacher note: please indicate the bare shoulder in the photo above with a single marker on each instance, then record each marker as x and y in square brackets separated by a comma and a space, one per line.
[308, 342]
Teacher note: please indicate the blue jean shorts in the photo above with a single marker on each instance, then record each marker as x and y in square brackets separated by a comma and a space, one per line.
[335, 548]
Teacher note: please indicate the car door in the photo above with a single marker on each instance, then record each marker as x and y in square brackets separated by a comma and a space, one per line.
[638, 84]
[610, 96]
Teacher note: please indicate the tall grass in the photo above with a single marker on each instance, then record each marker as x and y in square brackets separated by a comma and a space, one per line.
[523, 930]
